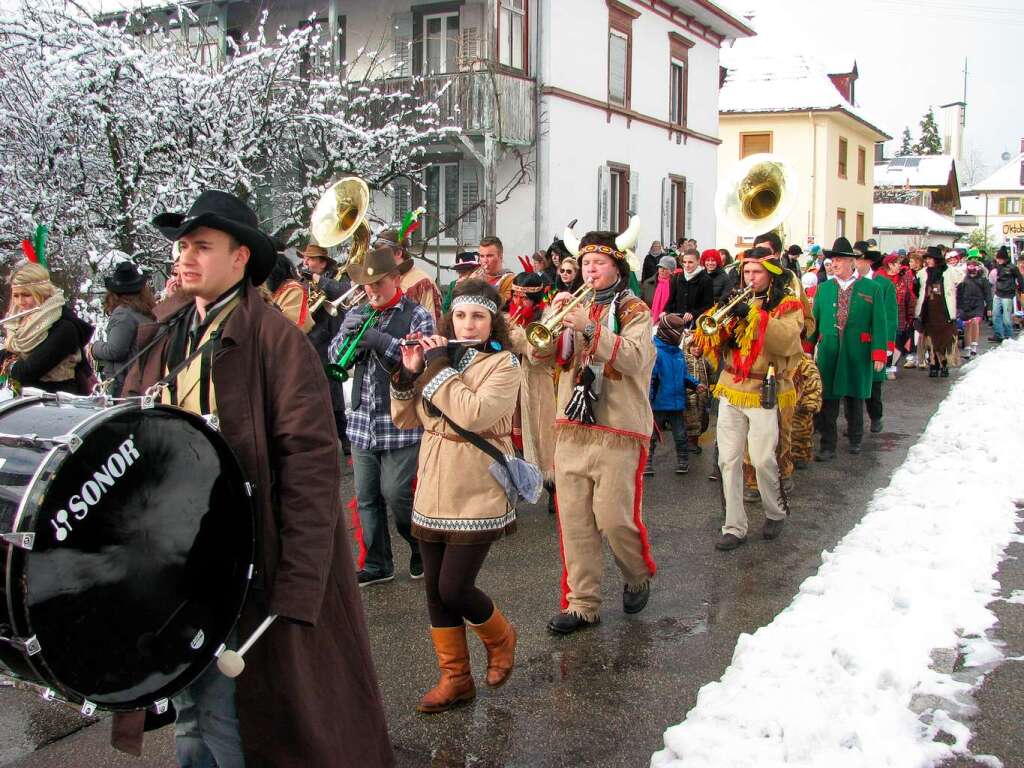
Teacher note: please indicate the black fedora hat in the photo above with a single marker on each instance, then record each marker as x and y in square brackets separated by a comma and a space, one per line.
[126, 278]
[224, 212]
[841, 248]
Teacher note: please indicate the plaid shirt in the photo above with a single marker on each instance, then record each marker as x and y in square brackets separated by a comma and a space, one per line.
[369, 424]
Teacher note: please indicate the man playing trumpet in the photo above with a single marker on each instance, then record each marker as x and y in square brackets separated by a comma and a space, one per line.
[603, 422]
[758, 336]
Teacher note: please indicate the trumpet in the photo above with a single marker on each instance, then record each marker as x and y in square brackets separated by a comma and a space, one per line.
[348, 352]
[352, 298]
[709, 324]
[541, 333]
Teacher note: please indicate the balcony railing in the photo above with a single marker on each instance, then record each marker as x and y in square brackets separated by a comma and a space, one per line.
[478, 102]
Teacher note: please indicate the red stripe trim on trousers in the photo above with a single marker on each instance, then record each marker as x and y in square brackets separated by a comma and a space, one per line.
[638, 495]
[357, 531]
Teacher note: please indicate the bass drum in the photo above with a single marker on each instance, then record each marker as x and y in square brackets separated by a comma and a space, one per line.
[128, 548]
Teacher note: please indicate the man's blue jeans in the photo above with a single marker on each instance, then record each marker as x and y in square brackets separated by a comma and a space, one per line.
[383, 481]
[206, 733]
[1002, 317]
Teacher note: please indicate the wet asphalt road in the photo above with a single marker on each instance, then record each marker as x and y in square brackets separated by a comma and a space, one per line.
[604, 696]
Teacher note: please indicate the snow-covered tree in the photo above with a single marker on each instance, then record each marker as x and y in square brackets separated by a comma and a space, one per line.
[929, 143]
[890, 193]
[906, 144]
[103, 125]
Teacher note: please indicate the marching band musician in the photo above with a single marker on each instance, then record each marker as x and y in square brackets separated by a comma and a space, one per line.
[603, 425]
[383, 455]
[44, 349]
[475, 387]
[288, 294]
[758, 335]
[244, 362]
[492, 268]
[536, 413]
[320, 267]
[416, 284]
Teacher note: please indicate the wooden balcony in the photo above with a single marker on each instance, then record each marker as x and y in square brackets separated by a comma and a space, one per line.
[479, 102]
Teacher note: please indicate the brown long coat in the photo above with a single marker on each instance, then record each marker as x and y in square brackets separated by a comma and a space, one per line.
[309, 694]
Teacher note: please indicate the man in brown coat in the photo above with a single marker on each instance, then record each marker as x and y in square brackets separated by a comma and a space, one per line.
[308, 695]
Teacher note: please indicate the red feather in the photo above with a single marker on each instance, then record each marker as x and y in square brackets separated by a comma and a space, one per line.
[30, 252]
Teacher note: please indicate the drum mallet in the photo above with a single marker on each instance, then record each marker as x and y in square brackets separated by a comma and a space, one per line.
[231, 663]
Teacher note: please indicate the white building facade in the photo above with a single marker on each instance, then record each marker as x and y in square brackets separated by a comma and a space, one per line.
[998, 204]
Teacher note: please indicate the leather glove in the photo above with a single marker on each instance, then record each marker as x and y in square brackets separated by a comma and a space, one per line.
[741, 310]
[351, 324]
[435, 353]
[375, 340]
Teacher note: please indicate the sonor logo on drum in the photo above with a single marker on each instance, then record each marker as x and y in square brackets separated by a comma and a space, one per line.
[94, 489]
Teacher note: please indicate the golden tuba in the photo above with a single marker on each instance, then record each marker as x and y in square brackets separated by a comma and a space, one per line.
[757, 195]
[541, 333]
[340, 214]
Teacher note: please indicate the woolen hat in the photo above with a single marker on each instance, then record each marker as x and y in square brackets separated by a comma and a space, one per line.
[892, 257]
[841, 248]
[670, 328]
[224, 212]
[669, 263]
[126, 278]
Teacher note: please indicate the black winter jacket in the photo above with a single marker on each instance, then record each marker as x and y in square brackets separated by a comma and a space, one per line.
[694, 296]
[66, 336]
[1008, 281]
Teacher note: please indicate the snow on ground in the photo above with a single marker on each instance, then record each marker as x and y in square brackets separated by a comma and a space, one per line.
[830, 682]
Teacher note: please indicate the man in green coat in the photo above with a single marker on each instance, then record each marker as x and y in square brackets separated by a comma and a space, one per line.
[869, 265]
[851, 334]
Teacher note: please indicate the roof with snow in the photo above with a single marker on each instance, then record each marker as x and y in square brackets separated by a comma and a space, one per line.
[1006, 179]
[916, 171]
[902, 217]
[717, 15]
[760, 79]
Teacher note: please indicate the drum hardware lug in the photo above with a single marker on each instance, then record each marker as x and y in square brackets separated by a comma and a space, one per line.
[70, 441]
[220, 650]
[49, 694]
[212, 421]
[29, 646]
[148, 401]
[159, 707]
[252, 570]
[20, 540]
[88, 708]
[248, 488]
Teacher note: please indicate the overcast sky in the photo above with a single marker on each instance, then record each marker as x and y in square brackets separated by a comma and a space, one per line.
[910, 55]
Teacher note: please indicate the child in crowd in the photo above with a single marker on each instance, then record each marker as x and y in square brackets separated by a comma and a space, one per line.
[807, 381]
[669, 382]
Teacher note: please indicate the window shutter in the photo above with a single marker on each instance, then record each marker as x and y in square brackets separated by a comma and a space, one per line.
[470, 226]
[471, 24]
[401, 24]
[604, 184]
[666, 211]
[401, 200]
[634, 193]
[689, 209]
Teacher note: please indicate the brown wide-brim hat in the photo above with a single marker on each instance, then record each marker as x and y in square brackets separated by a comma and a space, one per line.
[375, 266]
[314, 251]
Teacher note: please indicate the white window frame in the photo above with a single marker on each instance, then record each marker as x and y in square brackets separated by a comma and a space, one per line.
[510, 54]
[613, 33]
[445, 42]
[677, 96]
[440, 213]
[617, 182]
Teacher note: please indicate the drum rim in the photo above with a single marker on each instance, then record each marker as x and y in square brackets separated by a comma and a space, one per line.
[42, 670]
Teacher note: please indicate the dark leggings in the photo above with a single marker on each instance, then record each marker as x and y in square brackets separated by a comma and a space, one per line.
[450, 572]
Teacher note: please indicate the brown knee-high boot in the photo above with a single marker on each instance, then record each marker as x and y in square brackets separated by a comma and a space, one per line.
[456, 683]
[499, 638]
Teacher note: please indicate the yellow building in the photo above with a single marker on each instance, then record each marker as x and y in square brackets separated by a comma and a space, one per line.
[788, 105]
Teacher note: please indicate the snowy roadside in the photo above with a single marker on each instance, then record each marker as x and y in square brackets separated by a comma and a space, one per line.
[838, 678]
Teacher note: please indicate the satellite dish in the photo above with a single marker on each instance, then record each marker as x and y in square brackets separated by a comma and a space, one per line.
[1006, 157]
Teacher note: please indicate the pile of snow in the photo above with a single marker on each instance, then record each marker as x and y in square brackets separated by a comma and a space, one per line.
[899, 216]
[830, 682]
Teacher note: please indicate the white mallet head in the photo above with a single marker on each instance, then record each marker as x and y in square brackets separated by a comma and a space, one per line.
[230, 664]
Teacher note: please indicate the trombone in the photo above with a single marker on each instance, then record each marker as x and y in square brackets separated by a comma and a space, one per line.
[541, 333]
[710, 323]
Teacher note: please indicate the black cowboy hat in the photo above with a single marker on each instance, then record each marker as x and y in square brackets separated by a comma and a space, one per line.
[224, 212]
[840, 248]
[376, 265]
[126, 278]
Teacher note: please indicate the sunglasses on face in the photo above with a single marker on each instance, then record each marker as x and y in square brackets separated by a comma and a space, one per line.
[566, 271]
